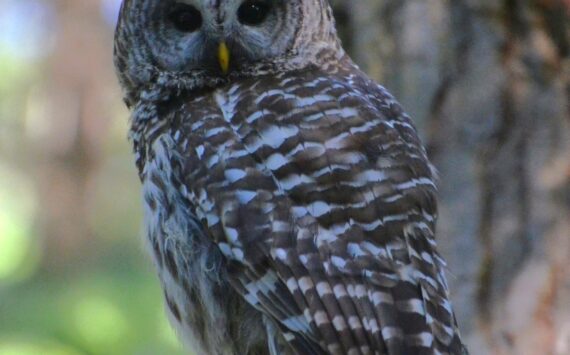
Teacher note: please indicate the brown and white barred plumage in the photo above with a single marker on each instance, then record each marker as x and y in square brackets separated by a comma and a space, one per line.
[290, 207]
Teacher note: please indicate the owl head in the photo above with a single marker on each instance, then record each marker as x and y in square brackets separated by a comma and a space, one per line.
[205, 42]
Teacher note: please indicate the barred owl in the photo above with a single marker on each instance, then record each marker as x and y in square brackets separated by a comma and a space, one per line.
[290, 207]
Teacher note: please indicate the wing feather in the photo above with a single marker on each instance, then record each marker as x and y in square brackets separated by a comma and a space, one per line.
[323, 203]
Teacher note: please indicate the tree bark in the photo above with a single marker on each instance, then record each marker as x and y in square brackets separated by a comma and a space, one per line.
[488, 84]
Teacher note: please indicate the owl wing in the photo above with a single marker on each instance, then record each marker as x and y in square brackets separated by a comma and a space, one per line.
[321, 198]
[235, 200]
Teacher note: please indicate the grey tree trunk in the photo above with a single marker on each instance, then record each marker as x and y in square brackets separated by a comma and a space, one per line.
[488, 84]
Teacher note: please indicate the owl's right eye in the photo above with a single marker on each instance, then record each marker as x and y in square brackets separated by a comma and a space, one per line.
[253, 13]
[185, 18]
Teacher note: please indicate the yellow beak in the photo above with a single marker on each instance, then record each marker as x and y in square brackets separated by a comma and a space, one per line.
[224, 57]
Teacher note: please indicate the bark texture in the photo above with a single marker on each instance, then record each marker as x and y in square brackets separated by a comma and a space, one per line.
[488, 84]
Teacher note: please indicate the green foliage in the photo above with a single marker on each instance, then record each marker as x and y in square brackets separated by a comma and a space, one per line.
[106, 302]
[90, 312]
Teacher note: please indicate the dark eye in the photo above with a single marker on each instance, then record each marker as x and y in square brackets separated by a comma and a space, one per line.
[253, 13]
[185, 18]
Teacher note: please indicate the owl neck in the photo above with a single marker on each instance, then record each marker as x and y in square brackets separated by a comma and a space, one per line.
[162, 84]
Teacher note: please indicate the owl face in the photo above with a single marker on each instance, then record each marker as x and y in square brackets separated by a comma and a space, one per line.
[215, 35]
[191, 44]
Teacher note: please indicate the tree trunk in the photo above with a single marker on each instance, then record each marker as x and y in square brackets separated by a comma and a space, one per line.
[488, 84]
[78, 72]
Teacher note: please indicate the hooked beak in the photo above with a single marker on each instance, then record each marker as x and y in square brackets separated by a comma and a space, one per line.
[224, 57]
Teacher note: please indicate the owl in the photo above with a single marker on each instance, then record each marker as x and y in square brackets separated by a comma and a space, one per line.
[290, 207]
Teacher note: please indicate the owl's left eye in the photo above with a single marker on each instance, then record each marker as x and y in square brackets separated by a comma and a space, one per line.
[253, 13]
[185, 18]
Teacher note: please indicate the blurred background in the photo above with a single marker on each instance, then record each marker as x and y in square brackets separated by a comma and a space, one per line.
[487, 81]
[74, 278]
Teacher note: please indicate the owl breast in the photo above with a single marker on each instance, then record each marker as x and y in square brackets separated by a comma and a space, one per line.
[200, 303]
